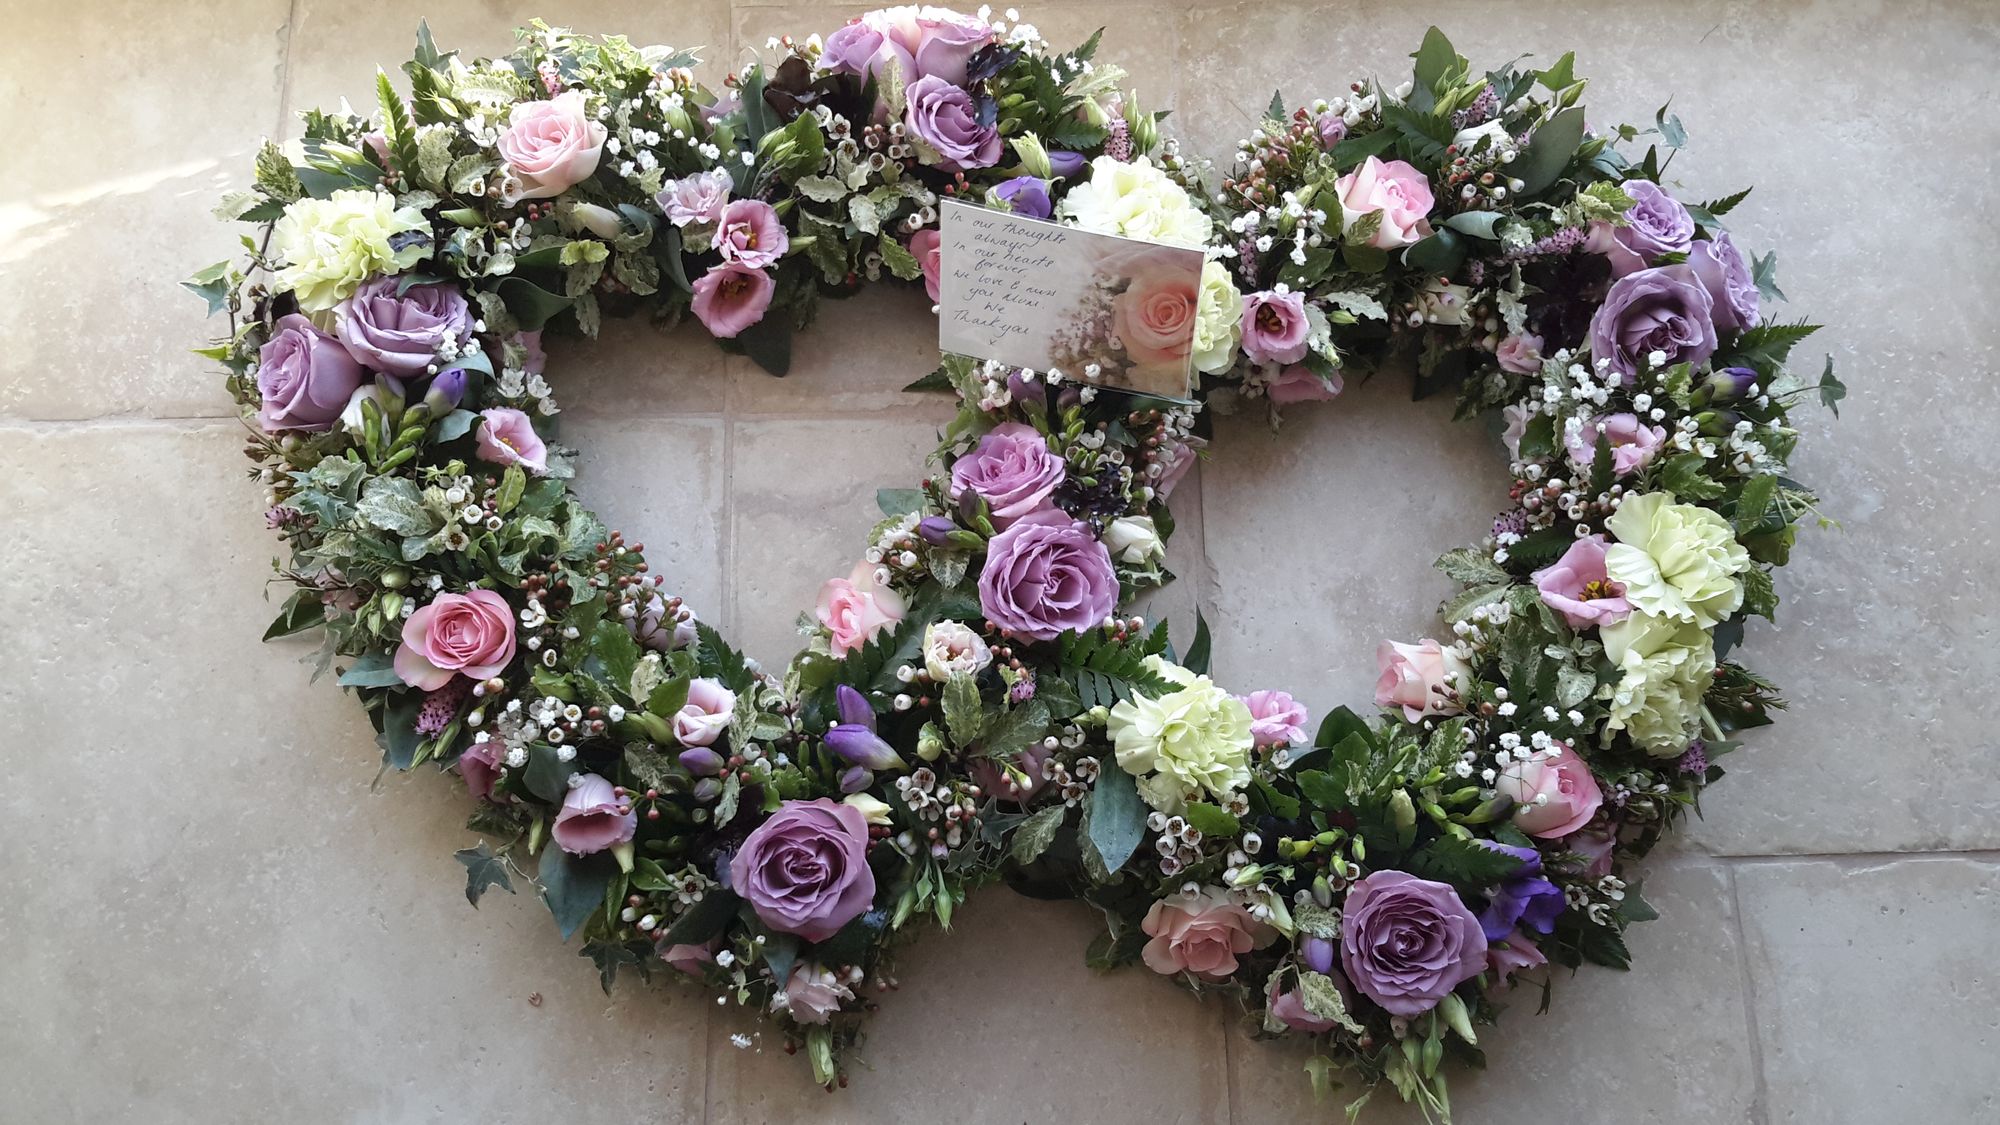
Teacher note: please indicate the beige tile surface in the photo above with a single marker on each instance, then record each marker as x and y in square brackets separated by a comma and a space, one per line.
[250, 928]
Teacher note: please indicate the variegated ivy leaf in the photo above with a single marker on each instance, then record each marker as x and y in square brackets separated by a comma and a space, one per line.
[1321, 997]
[1316, 921]
[1360, 304]
[394, 504]
[821, 189]
[1036, 833]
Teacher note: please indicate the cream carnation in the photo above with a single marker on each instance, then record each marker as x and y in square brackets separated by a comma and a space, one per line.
[1184, 743]
[1136, 200]
[330, 246]
[1675, 560]
[1667, 667]
[1218, 322]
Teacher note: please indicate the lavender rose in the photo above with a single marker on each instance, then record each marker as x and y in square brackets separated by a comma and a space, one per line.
[399, 334]
[1655, 224]
[1046, 575]
[1011, 469]
[1407, 942]
[805, 870]
[943, 117]
[304, 377]
[1730, 284]
[1658, 310]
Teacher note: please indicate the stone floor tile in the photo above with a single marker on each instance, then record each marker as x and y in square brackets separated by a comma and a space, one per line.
[1667, 1042]
[858, 355]
[634, 369]
[662, 483]
[1874, 987]
[999, 1021]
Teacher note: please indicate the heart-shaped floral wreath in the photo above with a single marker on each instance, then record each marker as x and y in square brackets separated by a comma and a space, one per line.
[975, 705]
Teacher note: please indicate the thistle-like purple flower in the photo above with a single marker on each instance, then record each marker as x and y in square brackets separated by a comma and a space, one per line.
[854, 737]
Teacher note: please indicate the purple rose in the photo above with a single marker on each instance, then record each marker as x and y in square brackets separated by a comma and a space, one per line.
[1027, 195]
[1523, 898]
[1655, 224]
[805, 870]
[1731, 286]
[1047, 575]
[1407, 942]
[943, 117]
[1012, 469]
[399, 334]
[1658, 310]
[304, 377]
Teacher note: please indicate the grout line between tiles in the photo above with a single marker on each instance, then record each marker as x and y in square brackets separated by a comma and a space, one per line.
[1760, 1109]
[285, 68]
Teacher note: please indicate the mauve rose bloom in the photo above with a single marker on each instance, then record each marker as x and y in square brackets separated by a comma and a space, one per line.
[1732, 288]
[1289, 1009]
[1198, 933]
[1027, 195]
[697, 199]
[925, 248]
[1655, 224]
[399, 335]
[857, 607]
[1657, 310]
[1011, 469]
[732, 297]
[943, 117]
[1331, 128]
[693, 960]
[861, 47]
[1520, 354]
[1299, 383]
[1553, 796]
[706, 714]
[1577, 586]
[805, 870]
[1274, 327]
[470, 633]
[506, 436]
[1524, 897]
[304, 377]
[1276, 719]
[479, 765]
[1395, 189]
[1516, 954]
[1046, 575]
[593, 817]
[946, 42]
[551, 146]
[1423, 679]
[751, 234]
[812, 994]
[1406, 942]
[1632, 442]
[1154, 317]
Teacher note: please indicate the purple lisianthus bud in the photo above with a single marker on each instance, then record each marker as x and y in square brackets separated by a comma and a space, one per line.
[1663, 310]
[805, 870]
[1730, 284]
[856, 778]
[1331, 129]
[1065, 164]
[400, 333]
[1406, 942]
[1012, 469]
[304, 377]
[1729, 384]
[936, 530]
[702, 762]
[944, 117]
[1045, 575]
[447, 390]
[1317, 953]
[1022, 386]
[1027, 195]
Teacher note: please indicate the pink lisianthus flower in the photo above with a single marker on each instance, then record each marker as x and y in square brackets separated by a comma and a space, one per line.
[479, 765]
[1299, 383]
[1578, 587]
[594, 817]
[695, 200]
[751, 234]
[507, 437]
[857, 607]
[731, 298]
[1275, 329]
[470, 633]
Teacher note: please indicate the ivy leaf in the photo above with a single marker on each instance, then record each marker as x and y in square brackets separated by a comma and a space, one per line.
[1212, 821]
[1831, 390]
[483, 869]
[212, 285]
[1036, 833]
[1013, 731]
[1322, 998]
[394, 504]
[962, 709]
[573, 886]
[1117, 815]
[303, 610]
[1470, 566]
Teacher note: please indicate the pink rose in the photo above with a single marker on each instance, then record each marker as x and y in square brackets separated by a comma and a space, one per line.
[1154, 317]
[1299, 383]
[1578, 587]
[706, 714]
[1423, 679]
[1276, 719]
[924, 247]
[1198, 932]
[1520, 353]
[1395, 190]
[812, 994]
[550, 146]
[594, 817]
[1553, 794]
[751, 234]
[470, 633]
[857, 607]
[695, 200]
[1632, 443]
[1274, 327]
[693, 960]
[479, 765]
[732, 297]
[507, 437]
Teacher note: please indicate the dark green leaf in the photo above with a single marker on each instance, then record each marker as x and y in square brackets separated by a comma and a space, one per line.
[1276, 110]
[1339, 725]
[1117, 815]
[547, 775]
[1211, 821]
[483, 869]
[1549, 151]
[1831, 390]
[768, 343]
[573, 886]
[703, 920]
[1197, 653]
[530, 304]
[373, 670]
[1036, 833]
[302, 611]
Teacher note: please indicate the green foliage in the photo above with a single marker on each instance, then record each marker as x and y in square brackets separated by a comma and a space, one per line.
[1103, 671]
[1116, 822]
[483, 869]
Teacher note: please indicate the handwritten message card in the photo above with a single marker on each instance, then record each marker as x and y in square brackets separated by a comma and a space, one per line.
[1101, 309]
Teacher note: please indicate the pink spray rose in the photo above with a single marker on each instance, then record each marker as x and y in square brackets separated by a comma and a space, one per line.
[479, 765]
[805, 869]
[1154, 317]
[1276, 719]
[507, 437]
[1520, 354]
[593, 817]
[1299, 383]
[706, 714]
[1274, 327]
[1423, 678]
[695, 200]
[693, 960]
[1198, 932]
[304, 377]
[732, 297]
[1578, 587]
[751, 234]
[470, 633]
[1553, 795]
[924, 246]
[1396, 190]
[1633, 443]
[857, 607]
[551, 146]
[1011, 469]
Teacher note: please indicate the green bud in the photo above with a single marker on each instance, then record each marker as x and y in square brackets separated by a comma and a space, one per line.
[392, 606]
[395, 578]
[1326, 839]
[930, 743]
[1404, 812]
[1033, 157]
[467, 217]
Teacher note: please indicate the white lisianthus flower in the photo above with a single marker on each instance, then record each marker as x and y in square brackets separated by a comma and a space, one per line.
[1136, 200]
[1184, 743]
[952, 648]
[330, 246]
[1495, 133]
[1218, 324]
[1676, 560]
[1134, 541]
[1667, 667]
